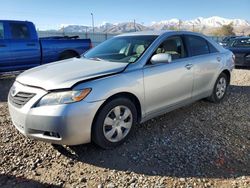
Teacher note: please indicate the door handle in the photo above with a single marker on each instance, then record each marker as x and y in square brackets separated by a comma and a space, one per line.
[2, 45]
[31, 44]
[189, 66]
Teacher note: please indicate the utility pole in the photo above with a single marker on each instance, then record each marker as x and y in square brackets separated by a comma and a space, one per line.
[134, 25]
[93, 25]
[180, 22]
[193, 27]
[63, 31]
[86, 32]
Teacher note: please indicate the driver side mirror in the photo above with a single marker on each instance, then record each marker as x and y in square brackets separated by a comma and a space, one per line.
[161, 58]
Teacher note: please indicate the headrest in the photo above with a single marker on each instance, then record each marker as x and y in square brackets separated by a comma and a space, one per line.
[140, 49]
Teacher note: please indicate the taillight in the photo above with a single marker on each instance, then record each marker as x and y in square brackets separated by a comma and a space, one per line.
[91, 45]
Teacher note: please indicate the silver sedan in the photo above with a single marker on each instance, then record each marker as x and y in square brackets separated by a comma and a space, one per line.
[124, 81]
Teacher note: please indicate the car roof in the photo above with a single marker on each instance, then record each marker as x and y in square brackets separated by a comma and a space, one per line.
[163, 33]
[158, 33]
[15, 21]
[243, 37]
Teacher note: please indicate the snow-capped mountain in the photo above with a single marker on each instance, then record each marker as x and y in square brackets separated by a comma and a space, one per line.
[106, 28]
[214, 21]
[200, 22]
[125, 27]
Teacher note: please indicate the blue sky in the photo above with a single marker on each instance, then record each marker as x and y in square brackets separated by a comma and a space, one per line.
[49, 14]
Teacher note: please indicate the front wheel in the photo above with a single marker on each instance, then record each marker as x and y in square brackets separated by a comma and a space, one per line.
[220, 88]
[114, 122]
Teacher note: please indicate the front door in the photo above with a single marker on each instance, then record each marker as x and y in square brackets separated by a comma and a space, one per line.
[168, 84]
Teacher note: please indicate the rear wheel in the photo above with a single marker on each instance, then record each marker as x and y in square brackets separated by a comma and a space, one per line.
[114, 123]
[220, 88]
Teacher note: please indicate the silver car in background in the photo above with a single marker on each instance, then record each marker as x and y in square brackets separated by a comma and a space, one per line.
[124, 81]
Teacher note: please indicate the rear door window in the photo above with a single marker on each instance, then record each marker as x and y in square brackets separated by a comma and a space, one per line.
[1, 31]
[197, 45]
[19, 31]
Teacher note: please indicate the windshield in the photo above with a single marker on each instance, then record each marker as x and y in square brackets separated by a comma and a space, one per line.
[241, 43]
[228, 39]
[125, 49]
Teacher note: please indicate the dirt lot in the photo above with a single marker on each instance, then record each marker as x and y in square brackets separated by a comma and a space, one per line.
[201, 145]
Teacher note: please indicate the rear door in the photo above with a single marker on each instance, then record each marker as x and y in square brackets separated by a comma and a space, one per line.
[5, 57]
[206, 62]
[25, 47]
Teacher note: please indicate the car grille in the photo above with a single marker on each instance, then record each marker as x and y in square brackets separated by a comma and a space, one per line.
[21, 98]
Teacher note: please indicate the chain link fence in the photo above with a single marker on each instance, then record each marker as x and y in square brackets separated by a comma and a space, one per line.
[96, 38]
[216, 38]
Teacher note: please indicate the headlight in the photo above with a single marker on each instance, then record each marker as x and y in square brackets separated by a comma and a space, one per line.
[64, 97]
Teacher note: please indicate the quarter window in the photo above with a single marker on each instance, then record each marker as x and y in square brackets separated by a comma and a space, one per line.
[19, 31]
[1, 31]
[212, 49]
[197, 45]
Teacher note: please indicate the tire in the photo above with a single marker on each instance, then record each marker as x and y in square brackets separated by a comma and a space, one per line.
[219, 92]
[68, 55]
[106, 134]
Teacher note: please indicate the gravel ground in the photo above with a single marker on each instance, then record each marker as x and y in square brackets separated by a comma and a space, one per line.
[200, 145]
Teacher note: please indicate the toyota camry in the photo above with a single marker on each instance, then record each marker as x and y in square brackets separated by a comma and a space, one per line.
[124, 81]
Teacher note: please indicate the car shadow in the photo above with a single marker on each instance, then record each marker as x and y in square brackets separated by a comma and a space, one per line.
[242, 67]
[235, 89]
[183, 144]
[9, 181]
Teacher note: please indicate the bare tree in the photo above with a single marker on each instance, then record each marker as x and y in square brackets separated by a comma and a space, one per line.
[225, 30]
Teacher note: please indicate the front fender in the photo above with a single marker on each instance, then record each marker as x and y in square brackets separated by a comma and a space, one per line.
[103, 88]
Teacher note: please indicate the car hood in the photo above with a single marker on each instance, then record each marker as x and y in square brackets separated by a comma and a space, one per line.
[66, 73]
